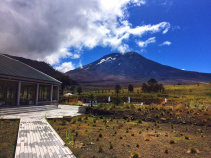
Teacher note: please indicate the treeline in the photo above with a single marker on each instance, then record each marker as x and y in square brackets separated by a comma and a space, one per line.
[152, 86]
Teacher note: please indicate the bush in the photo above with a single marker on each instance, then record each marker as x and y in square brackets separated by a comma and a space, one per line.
[140, 121]
[147, 139]
[111, 145]
[101, 148]
[64, 122]
[166, 150]
[172, 142]
[193, 150]
[135, 155]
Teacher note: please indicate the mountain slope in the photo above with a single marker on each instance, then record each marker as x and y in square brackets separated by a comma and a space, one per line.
[131, 67]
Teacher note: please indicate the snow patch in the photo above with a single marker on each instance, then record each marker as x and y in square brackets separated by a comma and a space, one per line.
[104, 60]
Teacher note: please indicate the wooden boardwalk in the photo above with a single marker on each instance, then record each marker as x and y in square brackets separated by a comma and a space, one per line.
[37, 139]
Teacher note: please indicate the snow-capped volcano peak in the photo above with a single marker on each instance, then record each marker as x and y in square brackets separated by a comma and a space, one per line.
[105, 60]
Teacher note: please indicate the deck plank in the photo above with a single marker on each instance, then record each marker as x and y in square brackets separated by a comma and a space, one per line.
[37, 139]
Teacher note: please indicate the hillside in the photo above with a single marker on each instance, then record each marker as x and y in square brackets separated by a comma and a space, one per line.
[131, 67]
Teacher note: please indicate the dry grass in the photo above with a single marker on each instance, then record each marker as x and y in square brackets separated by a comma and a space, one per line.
[116, 142]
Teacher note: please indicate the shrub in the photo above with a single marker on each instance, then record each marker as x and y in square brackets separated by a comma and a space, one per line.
[120, 137]
[187, 138]
[76, 133]
[132, 134]
[137, 145]
[140, 121]
[111, 146]
[202, 135]
[101, 148]
[166, 150]
[204, 120]
[135, 155]
[79, 118]
[100, 135]
[94, 125]
[104, 120]
[64, 122]
[193, 150]
[140, 132]
[94, 121]
[162, 113]
[172, 142]
[163, 119]
[147, 139]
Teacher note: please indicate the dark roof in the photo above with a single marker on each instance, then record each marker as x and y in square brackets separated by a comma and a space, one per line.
[15, 68]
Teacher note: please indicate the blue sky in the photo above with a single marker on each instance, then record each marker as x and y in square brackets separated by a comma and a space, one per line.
[190, 35]
[70, 34]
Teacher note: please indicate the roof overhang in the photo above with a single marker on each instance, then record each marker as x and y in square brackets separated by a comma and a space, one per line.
[28, 79]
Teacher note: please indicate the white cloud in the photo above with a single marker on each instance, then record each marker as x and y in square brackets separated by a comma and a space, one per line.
[141, 30]
[55, 58]
[80, 64]
[64, 67]
[168, 43]
[44, 30]
[148, 41]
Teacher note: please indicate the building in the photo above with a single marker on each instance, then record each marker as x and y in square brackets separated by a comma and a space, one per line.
[21, 84]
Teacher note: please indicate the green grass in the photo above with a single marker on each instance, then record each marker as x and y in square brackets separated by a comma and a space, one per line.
[8, 137]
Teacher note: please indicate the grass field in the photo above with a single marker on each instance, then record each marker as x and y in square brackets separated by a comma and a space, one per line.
[187, 94]
[8, 137]
[93, 136]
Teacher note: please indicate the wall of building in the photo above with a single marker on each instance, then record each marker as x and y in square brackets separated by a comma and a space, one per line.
[15, 93]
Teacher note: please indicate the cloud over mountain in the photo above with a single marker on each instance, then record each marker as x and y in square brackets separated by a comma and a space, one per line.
[46, 30]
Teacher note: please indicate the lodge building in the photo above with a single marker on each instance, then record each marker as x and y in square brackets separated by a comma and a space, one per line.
[21, 84]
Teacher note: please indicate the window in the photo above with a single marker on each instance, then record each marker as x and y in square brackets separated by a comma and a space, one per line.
[55, 92]
[44, 93]
[27, 95]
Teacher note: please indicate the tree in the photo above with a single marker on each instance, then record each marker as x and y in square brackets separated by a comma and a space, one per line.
[162, 89]
[152, 81]
[72, 89]
[66, 81]
[130, 88]
[144, 87]
[117, 89]
[156, 88]
[92, 98]
[79, 90]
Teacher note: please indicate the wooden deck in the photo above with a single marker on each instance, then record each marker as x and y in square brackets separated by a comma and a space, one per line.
[37, 139]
